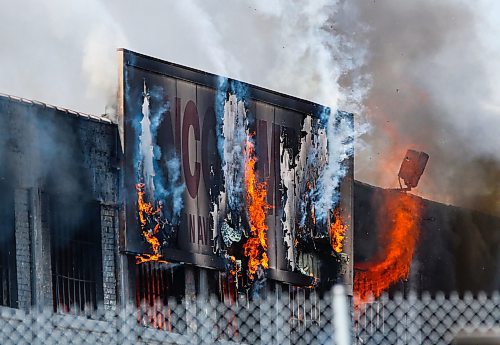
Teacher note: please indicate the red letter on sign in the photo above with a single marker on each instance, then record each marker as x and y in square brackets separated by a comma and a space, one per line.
[190, 119]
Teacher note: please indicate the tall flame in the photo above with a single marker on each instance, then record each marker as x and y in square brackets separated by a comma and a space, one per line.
[337, 232]
[149, 224]
[256, 206]
[372, 279]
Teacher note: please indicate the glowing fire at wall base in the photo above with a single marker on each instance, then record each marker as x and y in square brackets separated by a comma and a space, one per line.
[256, 206]
[372, 279]
[148, 214]
[337, 232]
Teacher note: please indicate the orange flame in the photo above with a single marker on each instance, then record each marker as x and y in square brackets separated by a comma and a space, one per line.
[234, 266]
[256, 195]
[372, 279]
[337, 232]
[146, 211]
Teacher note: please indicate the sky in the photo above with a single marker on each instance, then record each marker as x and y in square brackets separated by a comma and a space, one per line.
[422, 75]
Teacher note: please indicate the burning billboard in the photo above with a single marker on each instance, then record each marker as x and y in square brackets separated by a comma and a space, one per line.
[230, 176]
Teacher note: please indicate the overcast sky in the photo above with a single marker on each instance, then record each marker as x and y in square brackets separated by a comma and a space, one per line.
[423, 75]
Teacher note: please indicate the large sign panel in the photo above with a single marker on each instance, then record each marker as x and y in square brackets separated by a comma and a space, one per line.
[226, 175]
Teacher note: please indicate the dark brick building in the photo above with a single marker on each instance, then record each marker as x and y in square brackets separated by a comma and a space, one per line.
[60, 246]
[457, 249]
[58, 207]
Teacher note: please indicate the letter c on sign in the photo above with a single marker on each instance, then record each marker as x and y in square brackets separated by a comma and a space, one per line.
[190, 119]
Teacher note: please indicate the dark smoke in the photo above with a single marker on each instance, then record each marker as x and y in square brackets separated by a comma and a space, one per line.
[431, 90]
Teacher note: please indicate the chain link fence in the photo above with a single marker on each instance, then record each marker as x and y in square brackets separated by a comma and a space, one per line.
[274, 318]
[426, 320]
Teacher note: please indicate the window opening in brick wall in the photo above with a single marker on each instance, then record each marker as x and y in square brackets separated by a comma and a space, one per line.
[76, 255]
[228, 293]
[305, 311]
[8, 274]
[157, 285]
[228, 329]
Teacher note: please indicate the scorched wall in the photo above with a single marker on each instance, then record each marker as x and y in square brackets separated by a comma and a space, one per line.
[59, 171]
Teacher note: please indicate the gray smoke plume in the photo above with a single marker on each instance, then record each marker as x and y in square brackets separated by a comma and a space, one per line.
[61, 53]
[433, 89]
[340, 134]
[429, 69]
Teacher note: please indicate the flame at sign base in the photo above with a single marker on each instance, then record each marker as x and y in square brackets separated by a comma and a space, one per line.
[256, 206]
[337, 233]
[147, 211]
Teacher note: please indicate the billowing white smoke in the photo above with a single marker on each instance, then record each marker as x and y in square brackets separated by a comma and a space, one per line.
[231, 138]
[167, 187]
[235, 136]
[289, 46]
[309, 49]
[146, 146]
[340, 135]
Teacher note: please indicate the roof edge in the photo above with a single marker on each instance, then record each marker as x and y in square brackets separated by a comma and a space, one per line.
[86, 116]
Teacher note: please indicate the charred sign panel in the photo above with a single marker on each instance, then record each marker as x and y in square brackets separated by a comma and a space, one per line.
[189, 138]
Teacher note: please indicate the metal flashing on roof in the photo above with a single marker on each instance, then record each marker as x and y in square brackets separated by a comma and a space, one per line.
[60, 109]
[210, 80]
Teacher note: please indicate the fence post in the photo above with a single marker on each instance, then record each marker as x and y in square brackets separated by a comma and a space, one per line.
[341, 313]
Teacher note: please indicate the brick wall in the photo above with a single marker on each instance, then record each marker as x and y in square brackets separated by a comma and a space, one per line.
[23, 247]
[54, 152]
[109, 254]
